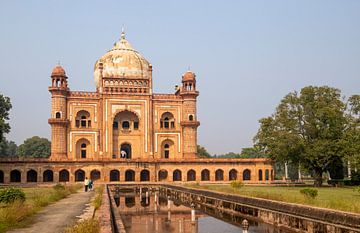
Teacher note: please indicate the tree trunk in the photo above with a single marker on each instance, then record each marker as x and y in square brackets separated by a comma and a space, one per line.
[318, 177]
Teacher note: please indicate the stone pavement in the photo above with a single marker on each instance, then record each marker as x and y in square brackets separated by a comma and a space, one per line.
[56, 217]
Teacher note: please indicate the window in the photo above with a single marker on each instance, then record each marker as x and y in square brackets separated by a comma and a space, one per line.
[83, 121]
[166, 151]
[166, 123]
[136, 125]
[115, 125]
[191, 117]
[58, 115]
[83, 151]
[125, 125]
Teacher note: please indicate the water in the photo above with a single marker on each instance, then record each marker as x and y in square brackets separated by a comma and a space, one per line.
[152, 213]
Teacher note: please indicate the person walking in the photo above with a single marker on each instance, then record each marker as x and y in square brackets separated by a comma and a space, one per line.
[91, 184]
[86, 184]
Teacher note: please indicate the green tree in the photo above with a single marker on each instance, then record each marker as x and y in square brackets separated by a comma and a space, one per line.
[5, 107]
[352, 134]
[7, 148]
[35, 147]
[306, 128]
[202, 152]
[252, 152]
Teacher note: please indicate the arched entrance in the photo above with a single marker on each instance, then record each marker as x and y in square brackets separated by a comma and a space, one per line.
[247, 174]
[64, 176]
[31, 176]
[219, 175]
[125, 151]
[260, 175]
[205, 175]
[15, 176]
[95, 175]
[114, 175]
[1, 176]
[144, 175]
[267, 174]
[129, 175]
[48, 176]
[163, 174]
[191, 175]
[79, 175]
[177, 175]
[233, 174]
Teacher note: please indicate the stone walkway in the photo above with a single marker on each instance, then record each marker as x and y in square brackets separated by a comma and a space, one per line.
[56, 217]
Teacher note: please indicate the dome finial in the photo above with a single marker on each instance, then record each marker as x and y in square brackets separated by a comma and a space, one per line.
[123, 32]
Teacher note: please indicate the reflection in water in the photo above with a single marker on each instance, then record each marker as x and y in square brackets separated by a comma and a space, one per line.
[148, 212]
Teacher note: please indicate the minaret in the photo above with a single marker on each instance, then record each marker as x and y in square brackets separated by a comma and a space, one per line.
[58, 120]
[189, 121]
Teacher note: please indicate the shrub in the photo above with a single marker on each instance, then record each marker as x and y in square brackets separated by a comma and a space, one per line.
[59, 187]
[88, 226]
[9, 195]
[236, 184]
[357, 189]
[309, 192]
[98, 198]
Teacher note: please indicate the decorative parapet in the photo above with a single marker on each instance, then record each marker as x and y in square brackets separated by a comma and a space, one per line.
[83, 94]
[166, 96]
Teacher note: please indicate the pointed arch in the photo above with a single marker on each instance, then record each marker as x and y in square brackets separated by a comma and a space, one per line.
[79, 175]
[219, 175]
[205, 175]
[177, 176]
[31, 176]
[114, 175]
[145, 175]
[246, 174]
[64, 176]
[15, 176]
[191, 175]
[48, 176]
[233, 174]
[129, 175]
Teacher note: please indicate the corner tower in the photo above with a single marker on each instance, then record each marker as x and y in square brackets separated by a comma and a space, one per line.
[58, 120]
[189, 121]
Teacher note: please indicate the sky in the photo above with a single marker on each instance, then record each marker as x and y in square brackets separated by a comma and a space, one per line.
[247, 55]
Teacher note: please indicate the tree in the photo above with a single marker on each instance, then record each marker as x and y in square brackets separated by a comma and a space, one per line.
[352, 134]
[306, 128]
[7, 148]
[252, 152]
[35, 147]
[202, 152]
[5, 107]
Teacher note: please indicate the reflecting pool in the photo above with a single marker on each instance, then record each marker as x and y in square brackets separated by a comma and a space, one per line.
[147, 211]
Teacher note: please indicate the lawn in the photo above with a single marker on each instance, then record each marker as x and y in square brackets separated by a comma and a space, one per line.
[16, 214]
[344, 199]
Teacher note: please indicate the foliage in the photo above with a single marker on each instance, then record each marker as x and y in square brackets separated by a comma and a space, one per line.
[253, 152]
[236, 184]
[307, 128]
[336, 168]
[202, 152]
[35, 147]
[229, 155]
[16, 214]
[87, 225]
[5, 107]
[9, 195]
[357, 189]
[98, 198]
[7, 148]
[59, 187]
[309, 192]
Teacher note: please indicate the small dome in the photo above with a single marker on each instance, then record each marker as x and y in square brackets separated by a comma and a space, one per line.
[122, 61]
[188, 76]
[58, 71]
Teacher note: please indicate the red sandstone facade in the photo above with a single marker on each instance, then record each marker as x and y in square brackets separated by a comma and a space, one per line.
[125, 132]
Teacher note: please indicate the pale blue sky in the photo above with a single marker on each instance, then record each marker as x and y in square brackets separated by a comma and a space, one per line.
[247, 54]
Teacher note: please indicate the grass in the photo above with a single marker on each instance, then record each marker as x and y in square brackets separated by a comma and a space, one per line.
[89, 225]
[16, 214]
[344, 199]
[85, 226]
[98, 198]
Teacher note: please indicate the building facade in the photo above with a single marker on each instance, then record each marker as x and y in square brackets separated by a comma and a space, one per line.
[125, 132]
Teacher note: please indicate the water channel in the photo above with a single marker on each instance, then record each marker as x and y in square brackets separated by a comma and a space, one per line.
[146, 211]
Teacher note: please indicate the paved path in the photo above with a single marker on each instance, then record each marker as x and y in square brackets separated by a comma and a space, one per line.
[56, 217]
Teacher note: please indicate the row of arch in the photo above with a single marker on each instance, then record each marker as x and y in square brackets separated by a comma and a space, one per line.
[114, 175]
